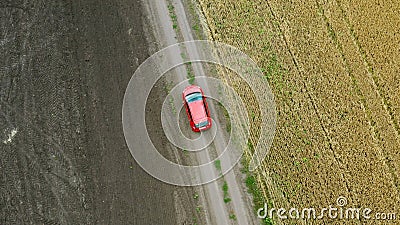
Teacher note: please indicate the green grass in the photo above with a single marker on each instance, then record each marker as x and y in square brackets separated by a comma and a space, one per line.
[167, 88]
[252, 186]
[195, 27]
[196, 21]
[226, 115]
[190, 76]
[171, 102]
[195, 196]
[189, 72]
[258, 199]
[174, 19]
[226, 199]
[217, 164]
[198, 209]
[226, 194]
[225, 187]
[183, 56]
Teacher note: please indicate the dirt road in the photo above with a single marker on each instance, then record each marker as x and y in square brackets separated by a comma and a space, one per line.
[169, 24]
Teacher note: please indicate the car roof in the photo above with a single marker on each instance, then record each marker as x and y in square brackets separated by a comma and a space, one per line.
[198, 111]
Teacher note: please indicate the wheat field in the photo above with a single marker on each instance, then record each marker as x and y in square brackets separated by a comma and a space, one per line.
[334, 68]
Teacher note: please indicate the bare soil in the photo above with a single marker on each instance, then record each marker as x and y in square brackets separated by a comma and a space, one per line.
[63, 71]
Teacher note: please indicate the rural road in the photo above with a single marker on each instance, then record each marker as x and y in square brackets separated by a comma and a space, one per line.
[163, 27]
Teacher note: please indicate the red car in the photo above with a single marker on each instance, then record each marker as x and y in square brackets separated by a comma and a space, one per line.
[196, 108]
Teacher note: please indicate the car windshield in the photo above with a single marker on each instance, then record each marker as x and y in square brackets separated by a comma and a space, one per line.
[202, 124]
[194, 97]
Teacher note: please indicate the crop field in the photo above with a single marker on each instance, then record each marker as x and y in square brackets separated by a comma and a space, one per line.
[335, 71]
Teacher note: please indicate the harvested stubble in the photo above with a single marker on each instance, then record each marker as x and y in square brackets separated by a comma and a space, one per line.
[337, 104]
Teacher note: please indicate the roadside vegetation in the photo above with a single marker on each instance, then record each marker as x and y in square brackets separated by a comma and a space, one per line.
[174, 19]
[172, 15]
